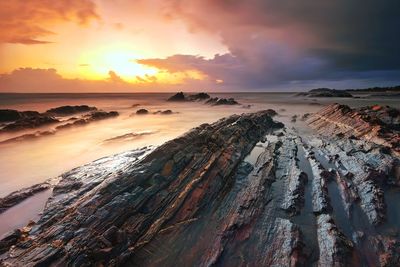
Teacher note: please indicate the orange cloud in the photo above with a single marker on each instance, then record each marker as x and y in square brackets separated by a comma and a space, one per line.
[27, 21]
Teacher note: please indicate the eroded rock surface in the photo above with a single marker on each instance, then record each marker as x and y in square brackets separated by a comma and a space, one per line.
[376, 124]
[239, 192]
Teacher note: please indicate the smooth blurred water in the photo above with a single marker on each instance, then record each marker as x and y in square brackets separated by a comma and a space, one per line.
[26, 163]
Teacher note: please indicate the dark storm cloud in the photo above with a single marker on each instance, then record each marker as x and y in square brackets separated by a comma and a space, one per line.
[273, 42]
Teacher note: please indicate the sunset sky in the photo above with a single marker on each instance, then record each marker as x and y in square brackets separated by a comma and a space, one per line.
[197, 45]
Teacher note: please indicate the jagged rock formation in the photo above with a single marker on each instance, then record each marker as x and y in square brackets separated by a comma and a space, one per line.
[29, 123]
[180, 97]
[70, 110]
[33, 123]
[238, 192]
[375, 124]
[216, 101]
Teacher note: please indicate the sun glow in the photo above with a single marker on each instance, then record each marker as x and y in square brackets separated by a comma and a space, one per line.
[97, 64]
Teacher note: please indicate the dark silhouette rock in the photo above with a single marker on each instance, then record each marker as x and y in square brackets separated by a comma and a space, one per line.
[216, 101]
[178, 97]
[164, 112]
[142, 111]
[8, 115]
[325, 92]
[198, 97]
[29, 123]
[70, 110]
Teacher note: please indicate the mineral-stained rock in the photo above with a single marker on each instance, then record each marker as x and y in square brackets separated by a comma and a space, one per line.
[70, 110]
[334, 248]
[118, 212]
[377, 125]
[291, 175]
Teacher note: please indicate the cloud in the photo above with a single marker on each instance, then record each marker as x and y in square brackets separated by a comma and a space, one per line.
[27, 22]
[114, 77]
[273, 42]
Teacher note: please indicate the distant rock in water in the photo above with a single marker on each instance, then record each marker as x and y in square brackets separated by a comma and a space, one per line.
[216, 101]
[142, 111]
[29, 123]
[178, 97]
[164, 112]
[88, 118]
[70, 110]
[325, 92]
[128, 137]
[198, 97]
[9, 115]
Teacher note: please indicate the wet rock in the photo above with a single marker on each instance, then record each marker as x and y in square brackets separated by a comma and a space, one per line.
[320, 198]
[27, 137]
[377, 125]
[334, 248]
[29, 123]
[70, 110]
[119, 209]
[88, 118]
[142, 111]
[128, 137]
[293, 178]
[216, 101]
[8, 115]
[164, 112]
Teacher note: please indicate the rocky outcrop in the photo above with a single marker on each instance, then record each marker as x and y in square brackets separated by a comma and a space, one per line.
[216, 101]
[375, 124]
[88, 118]
[29, 123]
[180, 97]
[8, 115]
[198, 97]
[114, 213]
[335, 249]
[142, 111]
[70, 110]
[325, 92]
[237, 192]
[164, 112]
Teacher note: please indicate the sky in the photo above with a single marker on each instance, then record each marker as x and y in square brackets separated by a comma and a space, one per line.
[197, 45]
